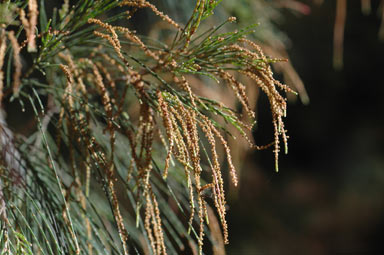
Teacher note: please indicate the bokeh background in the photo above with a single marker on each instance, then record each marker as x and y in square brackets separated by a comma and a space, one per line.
[328, 196]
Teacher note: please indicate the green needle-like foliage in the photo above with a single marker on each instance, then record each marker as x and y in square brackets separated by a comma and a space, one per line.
[123, 146]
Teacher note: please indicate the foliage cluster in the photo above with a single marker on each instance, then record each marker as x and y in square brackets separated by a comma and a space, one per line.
[122, 153]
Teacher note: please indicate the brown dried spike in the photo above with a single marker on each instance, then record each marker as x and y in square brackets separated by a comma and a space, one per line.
[162, 139]
[257, 80]
[290, 76]
[24, 21]
[186, 87]
[68, 89]
[277, 103]
[258, 49]
[159, 230]
[188, 123]
[143, 161]
[147, 222]
[144, 4]
[244, 51]
[32, 14]
[16, 62]
[239, 89]
[207, 186]
[109, 167]
[182, 153]
[277, 146]
[113, 40]
[120, 68]
[144, 137]
[134, 38]
[192, 128]
[285, 88]
[284, 135]
[77, 74]
[216, 171]
[163, 16]
[108, 27]
[155, 228]
[201, 218]
[110, 81]
[191, 199]
[87, 174]
[180, 114]
[163, 107]
[218, 190]
[104, 94]
[29, 25]
[232, 169]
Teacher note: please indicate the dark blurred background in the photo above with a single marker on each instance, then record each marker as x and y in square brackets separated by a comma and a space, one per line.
[328, 196]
